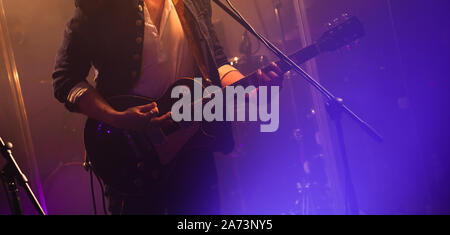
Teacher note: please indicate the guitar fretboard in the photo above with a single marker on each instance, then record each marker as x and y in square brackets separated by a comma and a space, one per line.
[299, 57]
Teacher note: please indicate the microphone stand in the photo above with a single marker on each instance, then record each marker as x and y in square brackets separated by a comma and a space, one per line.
[12, 173]
[335, 106]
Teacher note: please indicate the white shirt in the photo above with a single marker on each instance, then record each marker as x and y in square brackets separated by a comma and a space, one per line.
[166, 54]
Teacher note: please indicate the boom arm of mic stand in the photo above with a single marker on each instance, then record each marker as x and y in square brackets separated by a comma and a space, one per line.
[328, 95]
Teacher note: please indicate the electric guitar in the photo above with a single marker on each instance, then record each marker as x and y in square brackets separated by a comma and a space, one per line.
[123, 158]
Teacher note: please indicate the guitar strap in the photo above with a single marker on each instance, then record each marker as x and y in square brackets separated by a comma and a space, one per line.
[189, 31]
[227, 145]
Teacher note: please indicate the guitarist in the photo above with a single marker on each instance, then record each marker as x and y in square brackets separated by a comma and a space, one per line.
[141, 47]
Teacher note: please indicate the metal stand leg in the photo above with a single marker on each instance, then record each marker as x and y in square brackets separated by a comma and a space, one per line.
[351, 203]
[10, 174]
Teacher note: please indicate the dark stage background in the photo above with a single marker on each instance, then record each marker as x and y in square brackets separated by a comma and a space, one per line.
[396, 78]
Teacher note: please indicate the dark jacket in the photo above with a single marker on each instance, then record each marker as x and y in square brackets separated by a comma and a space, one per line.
[108, 34]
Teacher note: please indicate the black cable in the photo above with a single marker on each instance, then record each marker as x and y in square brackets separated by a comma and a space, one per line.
[103, 194]
[87, 165]
[92, 191]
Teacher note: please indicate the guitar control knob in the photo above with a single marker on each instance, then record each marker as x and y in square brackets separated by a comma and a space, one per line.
[138, 182]
[155, 174]
[141, 166]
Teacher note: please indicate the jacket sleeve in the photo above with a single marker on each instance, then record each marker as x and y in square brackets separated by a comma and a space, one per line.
[73, 60]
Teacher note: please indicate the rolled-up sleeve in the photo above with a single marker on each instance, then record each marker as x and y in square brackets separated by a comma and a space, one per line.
[224, 70]
[77, 91]
[73, 61]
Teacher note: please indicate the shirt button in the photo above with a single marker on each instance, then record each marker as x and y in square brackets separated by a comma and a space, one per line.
[139, 40]
[139, 22]
[136, 57]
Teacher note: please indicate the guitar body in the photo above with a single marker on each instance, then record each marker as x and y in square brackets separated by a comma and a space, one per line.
[132, 160]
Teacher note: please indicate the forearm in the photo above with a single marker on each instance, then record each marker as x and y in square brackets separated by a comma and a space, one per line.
[94, 106]
[137, 118]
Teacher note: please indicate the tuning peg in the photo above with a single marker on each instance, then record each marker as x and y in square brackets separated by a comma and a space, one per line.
[345, 16]
[352, 45]
[348, 47]
[336, 21]
[333, 23]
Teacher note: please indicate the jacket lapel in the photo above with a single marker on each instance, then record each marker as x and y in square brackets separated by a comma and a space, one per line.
[184, 13]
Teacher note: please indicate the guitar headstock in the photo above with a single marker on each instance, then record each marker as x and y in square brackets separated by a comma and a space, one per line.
[341, 33]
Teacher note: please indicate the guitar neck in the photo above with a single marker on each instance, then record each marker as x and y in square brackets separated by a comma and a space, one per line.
[299, 57]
